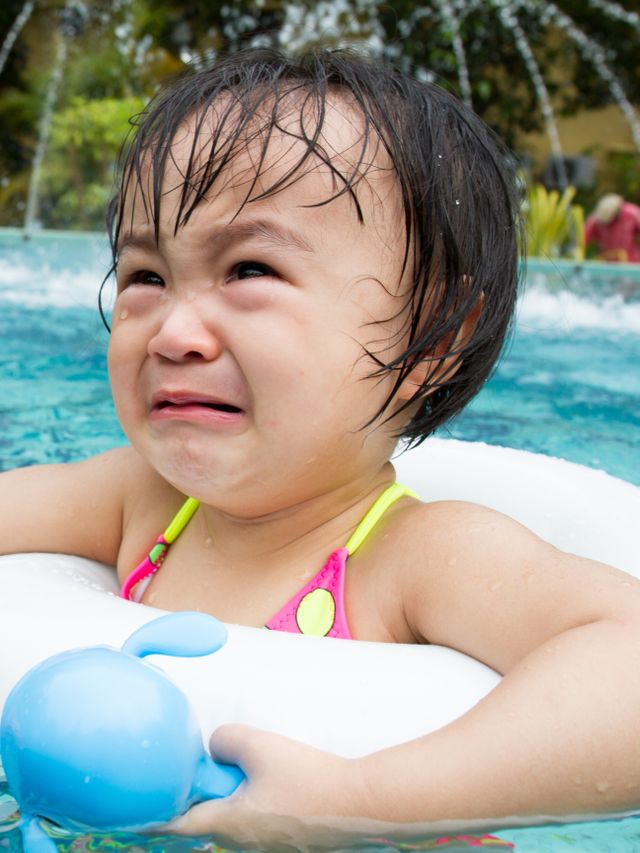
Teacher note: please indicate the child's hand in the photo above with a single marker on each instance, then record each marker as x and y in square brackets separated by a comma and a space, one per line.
[291, 794]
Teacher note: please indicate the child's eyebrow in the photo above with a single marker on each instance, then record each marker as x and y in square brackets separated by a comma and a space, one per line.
[133, 240]
[264, 229]
[234, 232]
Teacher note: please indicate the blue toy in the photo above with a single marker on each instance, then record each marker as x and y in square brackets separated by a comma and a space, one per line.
[97, 738]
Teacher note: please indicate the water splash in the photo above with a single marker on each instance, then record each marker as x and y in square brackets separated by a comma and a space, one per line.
[593, 53]
[453, 24]
[73, 18]
[454, 12]
[339, 22]
[567, 310]
[342, 21]
[507, 13]
[33, 197]
[14, 32]
[615, 11]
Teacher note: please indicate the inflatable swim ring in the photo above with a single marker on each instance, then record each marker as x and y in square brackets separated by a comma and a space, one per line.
[348, 697]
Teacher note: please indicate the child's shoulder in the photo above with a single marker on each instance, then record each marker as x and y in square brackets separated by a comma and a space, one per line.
[446, 528]
[448, 539]
[75, 508]
[130, 485]
[419, 552]
[474, 579]
[126, 496]
[446, 559]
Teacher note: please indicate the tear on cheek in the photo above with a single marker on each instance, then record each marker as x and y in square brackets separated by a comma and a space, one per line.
[137, 300]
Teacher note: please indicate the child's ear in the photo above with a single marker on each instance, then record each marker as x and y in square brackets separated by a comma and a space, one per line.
[434, 370]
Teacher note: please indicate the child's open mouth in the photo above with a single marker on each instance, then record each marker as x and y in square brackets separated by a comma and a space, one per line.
[195, 408]
[220, 407]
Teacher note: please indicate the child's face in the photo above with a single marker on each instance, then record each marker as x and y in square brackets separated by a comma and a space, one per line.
[237, 354]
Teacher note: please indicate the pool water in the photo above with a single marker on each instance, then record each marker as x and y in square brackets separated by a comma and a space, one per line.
[568, 386]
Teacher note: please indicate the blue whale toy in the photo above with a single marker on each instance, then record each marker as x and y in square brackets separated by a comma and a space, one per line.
[98, 738]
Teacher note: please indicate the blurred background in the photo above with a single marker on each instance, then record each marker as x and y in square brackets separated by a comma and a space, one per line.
[556, 80]
[559, 81]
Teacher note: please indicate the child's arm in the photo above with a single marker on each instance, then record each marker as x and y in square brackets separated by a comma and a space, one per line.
[73, 508]
[560, 735]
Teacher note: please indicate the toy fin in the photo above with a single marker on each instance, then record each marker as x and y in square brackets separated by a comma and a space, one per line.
[187, 634]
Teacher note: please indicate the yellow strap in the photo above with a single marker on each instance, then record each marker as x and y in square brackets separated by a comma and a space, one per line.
[180, 520]
[388, 497]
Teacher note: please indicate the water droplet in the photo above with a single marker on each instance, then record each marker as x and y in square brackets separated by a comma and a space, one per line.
[603, 786]
[458, 202]
[208, 542]
[86, 780]
[124, 314]
[494, 585]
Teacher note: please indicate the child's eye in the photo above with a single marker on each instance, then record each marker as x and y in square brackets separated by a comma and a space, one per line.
[250, 269]
[144, 277]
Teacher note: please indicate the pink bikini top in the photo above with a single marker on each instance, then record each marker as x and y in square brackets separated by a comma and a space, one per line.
[318, 608]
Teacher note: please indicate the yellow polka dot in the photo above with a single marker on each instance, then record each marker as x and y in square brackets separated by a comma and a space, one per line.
[316, 612]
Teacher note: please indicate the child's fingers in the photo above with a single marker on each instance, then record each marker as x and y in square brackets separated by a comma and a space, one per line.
[232, 743]
[233, 823]
[235, 828]
[246, 746]
[202, 819]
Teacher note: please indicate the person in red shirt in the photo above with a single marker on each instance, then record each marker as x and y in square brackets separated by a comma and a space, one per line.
[614, 226]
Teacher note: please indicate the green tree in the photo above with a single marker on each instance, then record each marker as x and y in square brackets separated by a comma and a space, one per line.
[85, 139]
[122, 49]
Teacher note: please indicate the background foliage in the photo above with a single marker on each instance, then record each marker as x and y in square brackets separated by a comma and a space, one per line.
[119, 50]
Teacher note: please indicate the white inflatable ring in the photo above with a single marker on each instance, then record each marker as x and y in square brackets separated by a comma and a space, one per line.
[347, 697]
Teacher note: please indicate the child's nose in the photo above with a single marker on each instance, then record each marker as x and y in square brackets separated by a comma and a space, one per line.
[184, 335]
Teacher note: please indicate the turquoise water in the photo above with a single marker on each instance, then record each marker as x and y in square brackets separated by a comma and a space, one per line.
[574, 396]
[568, 385]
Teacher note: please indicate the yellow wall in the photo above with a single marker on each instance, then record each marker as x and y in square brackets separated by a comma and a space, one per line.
[595, 132]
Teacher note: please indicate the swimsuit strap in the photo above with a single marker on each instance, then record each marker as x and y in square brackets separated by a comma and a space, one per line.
[390, 495]
[137, 581]
[180, 520]
[329, 582]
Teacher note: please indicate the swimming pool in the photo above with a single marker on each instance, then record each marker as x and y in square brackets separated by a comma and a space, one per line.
[569, 385]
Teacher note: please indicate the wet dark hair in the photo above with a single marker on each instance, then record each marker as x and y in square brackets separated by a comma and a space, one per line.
[457, 183]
